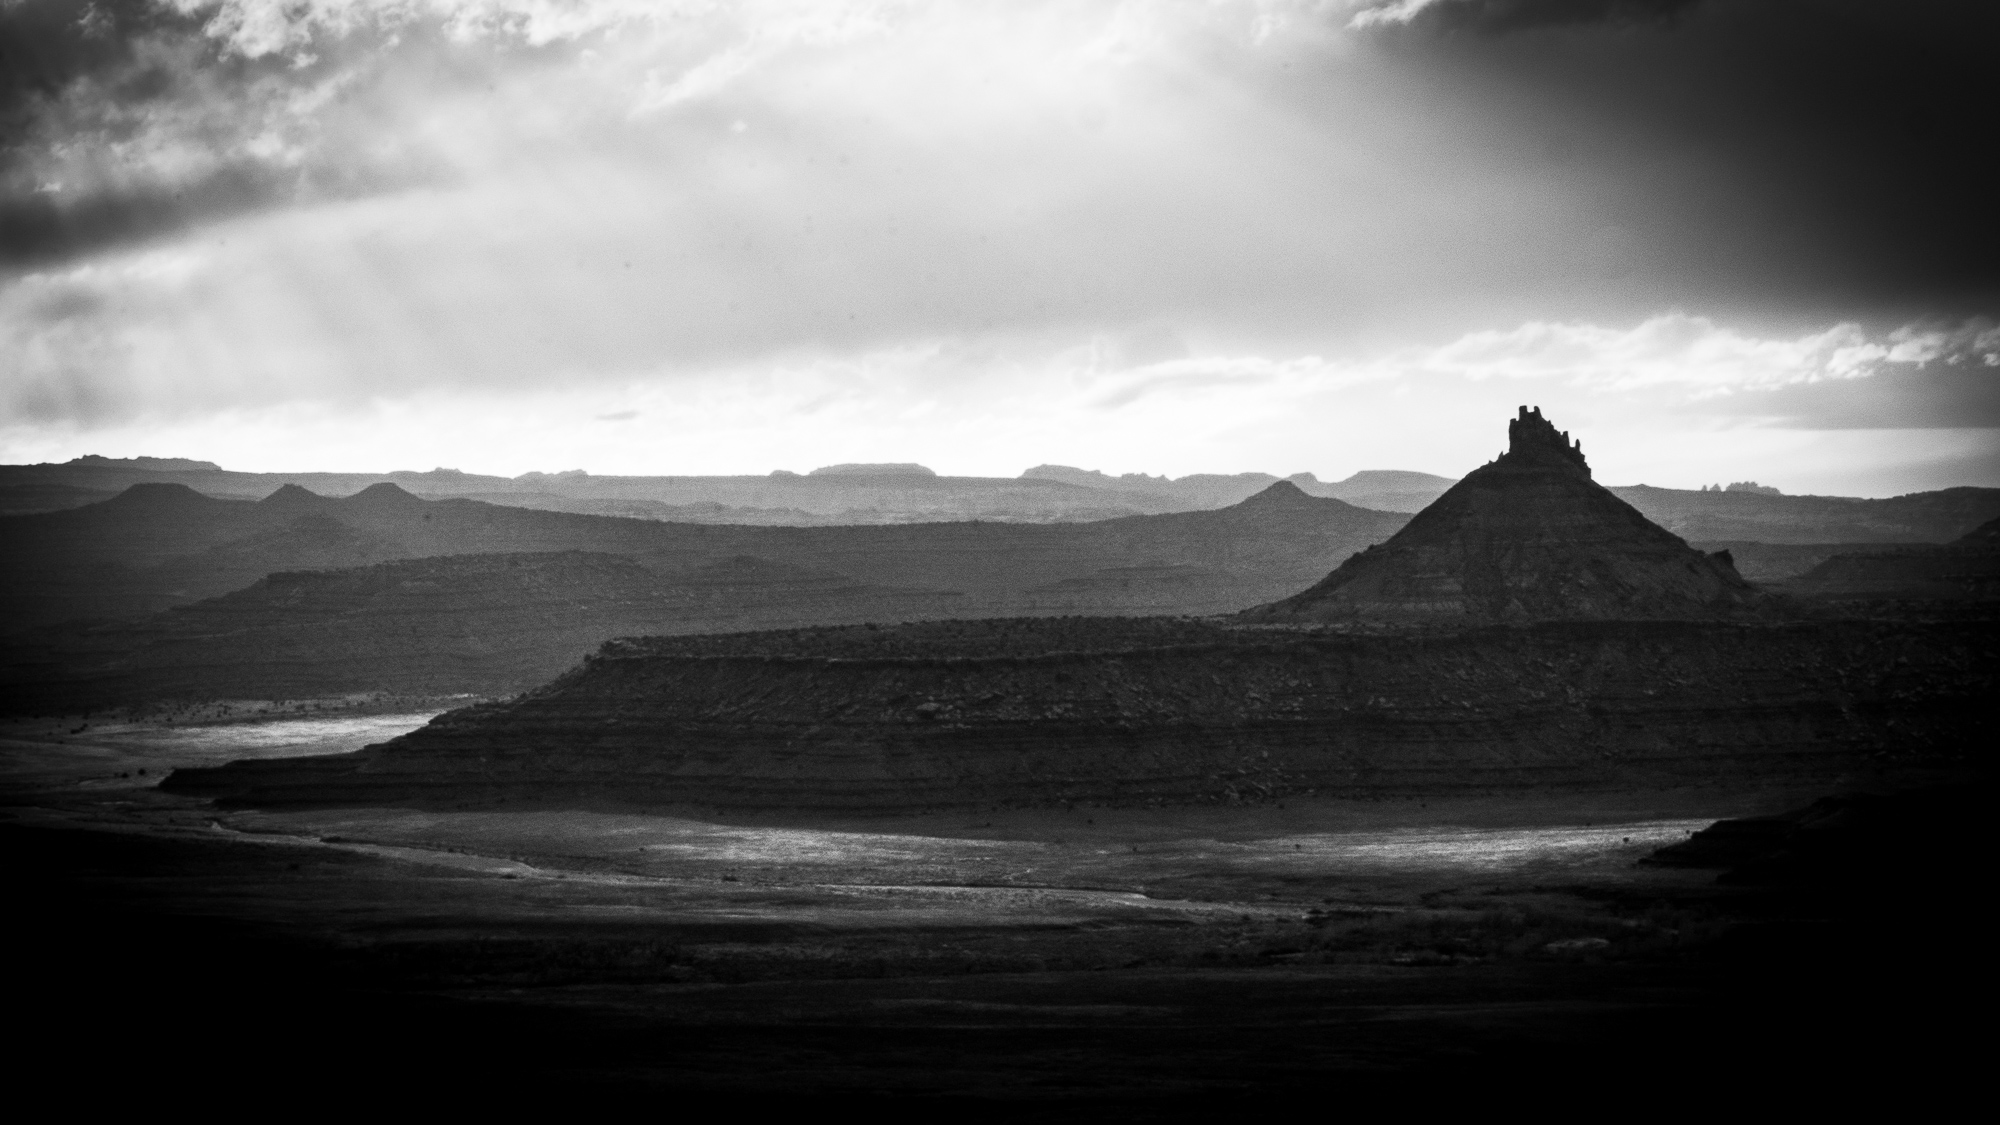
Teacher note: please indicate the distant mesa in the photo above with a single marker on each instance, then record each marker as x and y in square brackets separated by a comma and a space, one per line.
[1070, 475]
[148, 464]
[1090, 478]
[1389, 490]
[1526, 537]
[898, 469]
[1743, 486]
[1385, 480]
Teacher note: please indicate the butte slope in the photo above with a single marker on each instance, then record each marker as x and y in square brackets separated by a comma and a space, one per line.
[1526, 537]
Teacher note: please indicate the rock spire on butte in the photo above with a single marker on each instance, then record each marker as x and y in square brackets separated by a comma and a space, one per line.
[1526, 537]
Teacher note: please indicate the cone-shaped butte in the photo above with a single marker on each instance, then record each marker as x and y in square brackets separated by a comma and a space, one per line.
[1526, 537]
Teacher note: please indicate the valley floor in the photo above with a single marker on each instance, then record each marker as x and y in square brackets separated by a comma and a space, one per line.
[1141, 963]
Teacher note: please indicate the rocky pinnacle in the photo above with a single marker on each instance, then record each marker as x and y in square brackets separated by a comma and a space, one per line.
[1533, 440]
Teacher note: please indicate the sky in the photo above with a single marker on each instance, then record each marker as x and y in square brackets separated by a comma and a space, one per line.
[1714, 240]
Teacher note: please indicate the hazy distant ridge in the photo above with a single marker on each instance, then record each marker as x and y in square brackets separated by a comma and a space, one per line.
[906, 493]
[857, 493]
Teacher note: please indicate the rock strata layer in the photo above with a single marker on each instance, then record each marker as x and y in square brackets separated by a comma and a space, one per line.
[1162, 711]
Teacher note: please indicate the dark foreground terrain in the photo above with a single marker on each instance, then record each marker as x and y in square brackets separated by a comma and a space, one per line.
[1080, 964]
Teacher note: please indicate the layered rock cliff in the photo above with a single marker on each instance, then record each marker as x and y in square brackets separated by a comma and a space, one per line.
[1527, 537]
[1153, 711]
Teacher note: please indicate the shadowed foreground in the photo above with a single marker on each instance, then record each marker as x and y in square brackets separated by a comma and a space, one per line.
[277, 963]
[1062, 964]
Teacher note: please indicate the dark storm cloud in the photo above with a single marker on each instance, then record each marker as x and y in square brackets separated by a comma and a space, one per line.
[1499, 16]
[964, 231]
[126, 119]
[34, 226]
[1813, 157]
[47, 44]
[83, 75]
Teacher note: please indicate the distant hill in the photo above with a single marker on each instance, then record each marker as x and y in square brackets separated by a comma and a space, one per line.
[498, 622]
[906, 493]
[1919, 517]
[1967, 569]
[1775, 562]
[27, 499]
[486, 624]
[850, 494]
[313, 539]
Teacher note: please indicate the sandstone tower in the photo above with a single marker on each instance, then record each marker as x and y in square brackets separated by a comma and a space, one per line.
[1526, 537]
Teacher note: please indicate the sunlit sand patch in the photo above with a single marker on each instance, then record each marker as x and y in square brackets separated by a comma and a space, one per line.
[276, 738]
[774, 846]
[684, 897]
[136, 755]
[668, 850]
[1471, 849]
[662, 839]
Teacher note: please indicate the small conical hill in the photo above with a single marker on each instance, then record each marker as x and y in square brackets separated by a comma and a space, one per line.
[1526, 537]
[292, 498]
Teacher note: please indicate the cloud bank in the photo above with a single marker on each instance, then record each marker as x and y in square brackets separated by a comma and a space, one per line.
[845, 226]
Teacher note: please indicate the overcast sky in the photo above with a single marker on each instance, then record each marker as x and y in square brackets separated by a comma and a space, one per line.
[1715, 240]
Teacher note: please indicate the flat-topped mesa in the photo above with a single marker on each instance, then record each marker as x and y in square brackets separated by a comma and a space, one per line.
[1533, 440]
[1526, 537]
[867, 720]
